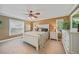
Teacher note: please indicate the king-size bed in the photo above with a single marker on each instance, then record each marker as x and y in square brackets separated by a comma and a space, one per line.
[37, 38]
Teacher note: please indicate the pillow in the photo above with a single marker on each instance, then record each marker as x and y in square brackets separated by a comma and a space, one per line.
[44, 29]
[39, 29]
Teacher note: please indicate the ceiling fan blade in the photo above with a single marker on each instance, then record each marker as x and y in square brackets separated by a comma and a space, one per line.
[35, 16]
[27, 10]
[37, 13]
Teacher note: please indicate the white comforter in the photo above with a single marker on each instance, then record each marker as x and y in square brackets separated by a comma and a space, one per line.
[35, 38]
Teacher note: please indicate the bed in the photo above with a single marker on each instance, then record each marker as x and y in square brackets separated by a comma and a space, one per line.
[38, 36]
[35, 38]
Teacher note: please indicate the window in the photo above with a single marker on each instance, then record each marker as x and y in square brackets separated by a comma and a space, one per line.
[16, 27]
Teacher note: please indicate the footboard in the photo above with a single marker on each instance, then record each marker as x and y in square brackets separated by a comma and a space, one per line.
[32, 40]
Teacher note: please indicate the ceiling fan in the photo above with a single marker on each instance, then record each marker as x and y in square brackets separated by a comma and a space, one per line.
[32, 13]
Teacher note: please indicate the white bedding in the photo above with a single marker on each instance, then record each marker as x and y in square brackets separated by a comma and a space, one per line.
[36, 38]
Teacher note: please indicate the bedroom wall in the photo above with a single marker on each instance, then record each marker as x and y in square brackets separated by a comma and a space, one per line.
[4, 28]
[4, 32]
[52, 22]
[28, 23]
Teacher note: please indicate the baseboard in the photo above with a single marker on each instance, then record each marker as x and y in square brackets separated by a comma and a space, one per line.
[2, 41]
[53, 39]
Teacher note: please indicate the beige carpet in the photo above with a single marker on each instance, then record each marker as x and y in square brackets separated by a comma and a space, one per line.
[16, 47]
[19, 47]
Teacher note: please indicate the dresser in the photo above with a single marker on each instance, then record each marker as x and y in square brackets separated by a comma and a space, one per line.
[53, 35]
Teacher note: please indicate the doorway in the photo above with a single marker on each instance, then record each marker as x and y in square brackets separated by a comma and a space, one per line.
[59, 25]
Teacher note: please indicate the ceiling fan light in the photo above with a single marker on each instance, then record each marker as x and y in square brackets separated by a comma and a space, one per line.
[31, 11]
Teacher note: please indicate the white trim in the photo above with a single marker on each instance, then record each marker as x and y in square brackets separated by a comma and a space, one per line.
[71, 21]
[73, 8]
[5, 40]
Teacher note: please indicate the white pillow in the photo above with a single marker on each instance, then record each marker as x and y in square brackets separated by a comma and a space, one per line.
[39, 29]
